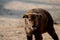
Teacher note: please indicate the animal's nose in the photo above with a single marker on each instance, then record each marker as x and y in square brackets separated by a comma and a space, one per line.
[34, 26]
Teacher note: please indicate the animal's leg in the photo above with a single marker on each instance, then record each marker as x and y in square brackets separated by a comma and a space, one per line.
[52, 33]
[38, 36]
[29, 37]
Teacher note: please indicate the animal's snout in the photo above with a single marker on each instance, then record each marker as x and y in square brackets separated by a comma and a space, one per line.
[34, 26]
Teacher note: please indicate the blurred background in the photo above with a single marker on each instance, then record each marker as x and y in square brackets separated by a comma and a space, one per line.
[16, 8]
[11, 12]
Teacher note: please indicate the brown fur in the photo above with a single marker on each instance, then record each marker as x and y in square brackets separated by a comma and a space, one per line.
[41, 21]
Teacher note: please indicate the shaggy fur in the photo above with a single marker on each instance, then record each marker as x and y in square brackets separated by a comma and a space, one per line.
[39, 21]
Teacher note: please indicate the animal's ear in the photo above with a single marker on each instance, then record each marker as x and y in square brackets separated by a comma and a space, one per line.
[25, 16]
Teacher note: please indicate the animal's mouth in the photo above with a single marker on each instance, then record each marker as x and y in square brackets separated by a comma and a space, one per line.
[34, 28]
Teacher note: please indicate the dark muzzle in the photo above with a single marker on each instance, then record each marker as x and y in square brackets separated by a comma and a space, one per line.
[34, 27]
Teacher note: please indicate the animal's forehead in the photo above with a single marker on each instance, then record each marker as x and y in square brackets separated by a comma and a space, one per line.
[35, 11]
[32, 14]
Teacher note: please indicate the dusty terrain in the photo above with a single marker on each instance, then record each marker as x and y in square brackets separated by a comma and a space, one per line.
[13, 29]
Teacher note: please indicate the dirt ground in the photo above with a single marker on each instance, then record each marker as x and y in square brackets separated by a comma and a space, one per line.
[13, 29]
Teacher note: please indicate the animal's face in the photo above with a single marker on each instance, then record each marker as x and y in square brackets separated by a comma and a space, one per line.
[32, 20]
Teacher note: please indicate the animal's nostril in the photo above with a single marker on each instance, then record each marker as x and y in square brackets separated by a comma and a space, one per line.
[34, 26]
[29, 19]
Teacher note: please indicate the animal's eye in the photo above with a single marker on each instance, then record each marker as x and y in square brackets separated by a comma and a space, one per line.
[33, 17]
[25, 16]
[38, 16]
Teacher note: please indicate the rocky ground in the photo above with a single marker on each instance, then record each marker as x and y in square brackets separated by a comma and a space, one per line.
[13, 29]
